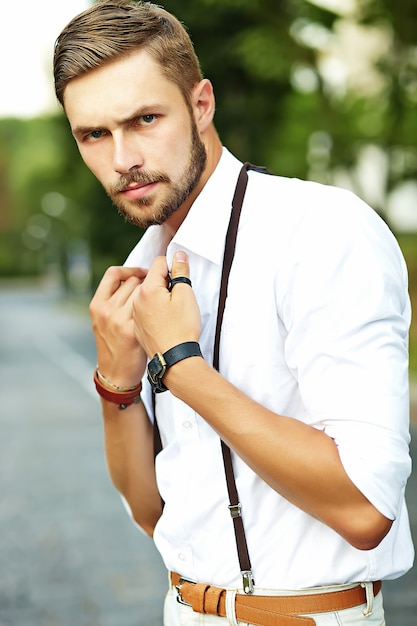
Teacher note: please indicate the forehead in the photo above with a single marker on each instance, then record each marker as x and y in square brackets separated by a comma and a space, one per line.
[109, 92]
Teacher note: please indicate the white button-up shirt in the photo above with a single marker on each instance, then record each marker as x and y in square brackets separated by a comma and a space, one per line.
[315, 328]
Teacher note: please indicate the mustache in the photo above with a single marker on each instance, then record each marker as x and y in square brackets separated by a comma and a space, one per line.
[138, 177]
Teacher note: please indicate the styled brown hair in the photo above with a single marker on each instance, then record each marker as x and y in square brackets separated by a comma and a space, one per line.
[111, 29]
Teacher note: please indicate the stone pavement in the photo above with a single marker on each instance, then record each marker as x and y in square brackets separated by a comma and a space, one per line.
[69, 555]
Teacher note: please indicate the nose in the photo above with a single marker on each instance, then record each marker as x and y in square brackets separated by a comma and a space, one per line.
[126, 154]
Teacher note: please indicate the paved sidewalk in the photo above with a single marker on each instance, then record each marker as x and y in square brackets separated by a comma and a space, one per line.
[69, 554]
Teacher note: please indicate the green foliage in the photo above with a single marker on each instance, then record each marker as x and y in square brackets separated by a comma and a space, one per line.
[43, 166]
[408, 244]
[246, 50]
[275, 107]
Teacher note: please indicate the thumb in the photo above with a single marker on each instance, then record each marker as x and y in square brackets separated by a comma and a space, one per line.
[180, 266]
[180, 270]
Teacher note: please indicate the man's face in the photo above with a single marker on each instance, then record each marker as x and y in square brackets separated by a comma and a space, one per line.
[137, 135]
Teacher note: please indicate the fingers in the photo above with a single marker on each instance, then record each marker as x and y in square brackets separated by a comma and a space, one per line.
[115, 278]
[163, 319]
[118, 353]
[117, 286]
[158, 275]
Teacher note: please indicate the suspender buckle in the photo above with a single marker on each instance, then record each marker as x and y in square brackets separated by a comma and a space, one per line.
[248, 582]
[235, 510]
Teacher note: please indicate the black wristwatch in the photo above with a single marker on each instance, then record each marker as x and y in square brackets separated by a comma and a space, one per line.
[160, 362]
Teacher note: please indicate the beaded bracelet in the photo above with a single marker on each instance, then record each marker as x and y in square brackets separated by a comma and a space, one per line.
[107, 382]
[122, 398]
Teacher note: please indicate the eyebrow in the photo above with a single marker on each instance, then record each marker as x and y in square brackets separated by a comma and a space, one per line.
[143, 110]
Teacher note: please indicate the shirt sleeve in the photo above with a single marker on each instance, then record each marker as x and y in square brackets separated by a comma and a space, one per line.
[347, 313]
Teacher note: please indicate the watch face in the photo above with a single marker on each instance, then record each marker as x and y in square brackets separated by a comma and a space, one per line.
[156, 368]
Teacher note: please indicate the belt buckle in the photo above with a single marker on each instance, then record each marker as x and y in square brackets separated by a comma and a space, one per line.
[180, 599]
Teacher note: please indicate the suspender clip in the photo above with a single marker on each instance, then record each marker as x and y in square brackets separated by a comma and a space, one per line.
[248, 582]
[235, 510]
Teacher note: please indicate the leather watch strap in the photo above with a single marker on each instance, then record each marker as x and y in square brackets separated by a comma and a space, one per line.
[161, 362]
[181, 351]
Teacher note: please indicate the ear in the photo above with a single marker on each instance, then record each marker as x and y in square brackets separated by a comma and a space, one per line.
[203, 103]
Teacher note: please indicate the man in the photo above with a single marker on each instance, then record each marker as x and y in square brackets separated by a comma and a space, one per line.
[309, 384]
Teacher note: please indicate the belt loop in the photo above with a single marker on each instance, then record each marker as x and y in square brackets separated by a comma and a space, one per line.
[231, 607]
[369, 591]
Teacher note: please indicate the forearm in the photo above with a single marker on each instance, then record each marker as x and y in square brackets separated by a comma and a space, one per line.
[298, 461]
[128, 433]
[130, 459]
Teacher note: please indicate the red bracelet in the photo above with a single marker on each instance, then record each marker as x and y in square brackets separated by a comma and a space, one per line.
[122, 398]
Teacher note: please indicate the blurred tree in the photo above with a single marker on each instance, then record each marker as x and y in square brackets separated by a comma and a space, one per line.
[247, 49]
[398, 66]
[300, 88]
[51, 199]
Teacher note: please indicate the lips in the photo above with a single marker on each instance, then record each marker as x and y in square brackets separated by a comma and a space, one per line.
[134, 186]
[138, 190]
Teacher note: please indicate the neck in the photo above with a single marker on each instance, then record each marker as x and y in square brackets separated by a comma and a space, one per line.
[214, 151]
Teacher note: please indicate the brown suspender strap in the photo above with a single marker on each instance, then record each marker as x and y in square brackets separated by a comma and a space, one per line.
[234, 507]
[229, 251]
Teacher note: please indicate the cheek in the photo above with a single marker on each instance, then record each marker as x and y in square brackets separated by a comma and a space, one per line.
[175, 152]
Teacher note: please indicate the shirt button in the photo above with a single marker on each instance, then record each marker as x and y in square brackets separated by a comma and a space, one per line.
[181, 556]
[187, 425]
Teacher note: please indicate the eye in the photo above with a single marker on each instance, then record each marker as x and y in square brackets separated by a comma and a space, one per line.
[94, 135]
[147, 119]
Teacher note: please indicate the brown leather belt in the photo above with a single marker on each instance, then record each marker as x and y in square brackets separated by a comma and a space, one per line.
[268, 610]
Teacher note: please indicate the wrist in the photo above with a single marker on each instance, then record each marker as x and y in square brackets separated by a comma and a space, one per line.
[160, 363]
[113, 386]
[122, 396]
[122, 371]
[186, 377]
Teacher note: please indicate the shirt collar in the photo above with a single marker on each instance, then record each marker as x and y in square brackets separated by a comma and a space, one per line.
[203, 231]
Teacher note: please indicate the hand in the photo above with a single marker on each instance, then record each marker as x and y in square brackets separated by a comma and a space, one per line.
[163, 319]
[119, 355]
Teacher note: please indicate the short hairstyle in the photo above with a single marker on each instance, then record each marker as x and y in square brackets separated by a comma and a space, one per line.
[111, 29]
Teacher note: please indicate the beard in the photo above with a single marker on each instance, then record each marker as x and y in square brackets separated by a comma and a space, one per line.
[159, 212]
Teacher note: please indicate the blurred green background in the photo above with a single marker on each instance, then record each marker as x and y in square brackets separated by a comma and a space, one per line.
[324, 90]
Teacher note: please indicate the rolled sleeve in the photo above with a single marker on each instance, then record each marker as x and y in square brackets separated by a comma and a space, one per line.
[348, 316]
